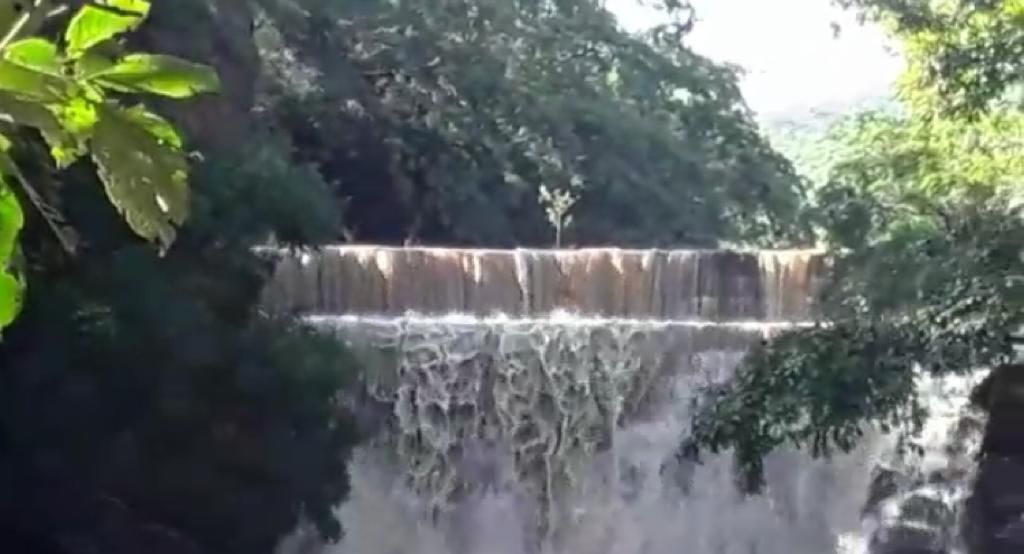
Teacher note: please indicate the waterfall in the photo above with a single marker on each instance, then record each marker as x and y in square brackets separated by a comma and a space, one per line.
[709, 285]
[534, 402]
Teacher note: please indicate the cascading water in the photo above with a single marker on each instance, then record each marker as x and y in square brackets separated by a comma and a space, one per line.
[542, 431]
[706, 285]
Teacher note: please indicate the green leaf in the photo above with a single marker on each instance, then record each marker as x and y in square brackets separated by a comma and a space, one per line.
[154, 125]
[11, 218]
[64, 147]
[11, 222]
[94, 24]
[49, 209]
[12, 290]
[91, 63]
[159, 74]
[32, 84]
[34, 53]
[78, 117]
[145, 179]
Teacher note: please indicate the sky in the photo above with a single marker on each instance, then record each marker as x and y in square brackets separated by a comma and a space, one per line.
[793, 62]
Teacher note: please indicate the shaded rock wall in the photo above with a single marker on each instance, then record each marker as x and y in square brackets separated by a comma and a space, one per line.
[995, 522]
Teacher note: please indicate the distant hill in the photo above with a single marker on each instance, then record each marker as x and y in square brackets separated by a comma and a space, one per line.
[800, 134]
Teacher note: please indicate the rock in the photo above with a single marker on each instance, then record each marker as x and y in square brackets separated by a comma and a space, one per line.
[1003, 398]
[884, 484]
[679, 468]
[1000, 478]
[908, 538]
[924, 508]
[996, 507]
[1012, 534]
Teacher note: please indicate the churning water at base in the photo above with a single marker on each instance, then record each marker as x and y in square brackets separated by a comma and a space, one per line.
[562, 436]
[647, 509]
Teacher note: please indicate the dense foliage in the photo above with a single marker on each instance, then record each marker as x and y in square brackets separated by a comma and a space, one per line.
[963, 55]
[147, 403]
[939, 290]
[810, 141]
[922, 214]
[66, 93]
[466, 121]
[172, 406]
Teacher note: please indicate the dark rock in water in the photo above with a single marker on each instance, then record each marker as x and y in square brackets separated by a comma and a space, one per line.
[678, 469]
[993, 522]
[1001, 481]
[480, 462]
[902, 538]
[926, 509]
[970, 425]
[370, 414]
[631, 480]
[1012, 534]
[996, 508]
[1003, 397]
[884, 484]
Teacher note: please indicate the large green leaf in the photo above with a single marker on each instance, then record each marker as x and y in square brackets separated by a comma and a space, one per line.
[154, 125]
[159, 74]
[94, 24]
[91, 63]
[11, 291]
[35, 53]
[11, 221]
[32, 84]
[145, 179]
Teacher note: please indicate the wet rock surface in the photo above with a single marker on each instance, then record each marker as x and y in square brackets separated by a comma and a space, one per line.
[997, 506]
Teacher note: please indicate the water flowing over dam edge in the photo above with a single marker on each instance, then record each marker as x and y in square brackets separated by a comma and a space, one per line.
[534, 402]
[711, 285]
[474, 458]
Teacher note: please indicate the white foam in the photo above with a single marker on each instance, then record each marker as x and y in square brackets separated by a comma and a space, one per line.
[628, 496]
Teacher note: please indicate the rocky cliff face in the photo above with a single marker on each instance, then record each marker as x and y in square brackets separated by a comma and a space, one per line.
[995, 522]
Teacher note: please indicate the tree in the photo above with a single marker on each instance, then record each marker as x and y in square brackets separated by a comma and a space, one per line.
[148, 402]
[963, 56]
[176, 414]
[923, 215]
[811, 141]
[441, 122]
[67, 94]
[938, 289]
